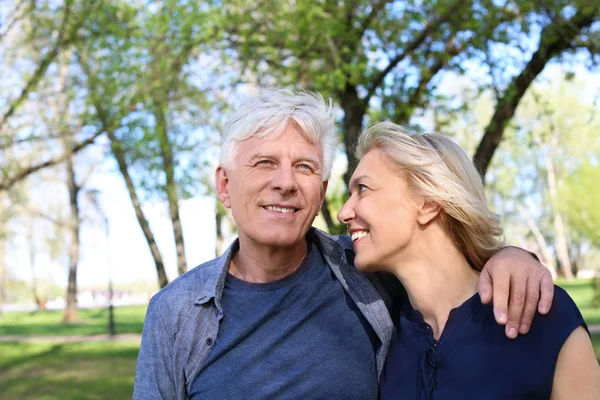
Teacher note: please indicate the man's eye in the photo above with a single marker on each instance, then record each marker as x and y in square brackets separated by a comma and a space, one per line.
[305, 167]
[362, 188]
[264, 162]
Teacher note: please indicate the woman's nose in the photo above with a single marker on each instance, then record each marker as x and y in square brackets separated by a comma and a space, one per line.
[346, 214]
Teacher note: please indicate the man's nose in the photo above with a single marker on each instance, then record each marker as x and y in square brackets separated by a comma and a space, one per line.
[346, 214]
[285, 179]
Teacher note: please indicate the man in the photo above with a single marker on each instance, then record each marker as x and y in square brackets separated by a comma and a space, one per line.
[283, 313]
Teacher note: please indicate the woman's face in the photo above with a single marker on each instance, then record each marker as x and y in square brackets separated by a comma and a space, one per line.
[380, 213]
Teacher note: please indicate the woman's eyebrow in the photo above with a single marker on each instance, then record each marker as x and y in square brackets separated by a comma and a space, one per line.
[354, 182]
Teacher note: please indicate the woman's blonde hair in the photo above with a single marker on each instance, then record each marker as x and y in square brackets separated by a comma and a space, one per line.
[439, 170]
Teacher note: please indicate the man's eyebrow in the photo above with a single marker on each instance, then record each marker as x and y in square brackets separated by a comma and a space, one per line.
[309, 159]
[256, 156]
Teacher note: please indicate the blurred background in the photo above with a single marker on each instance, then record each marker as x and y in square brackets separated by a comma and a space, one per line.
[110, 121]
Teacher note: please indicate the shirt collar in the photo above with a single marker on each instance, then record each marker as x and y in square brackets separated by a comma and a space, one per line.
[213, 280]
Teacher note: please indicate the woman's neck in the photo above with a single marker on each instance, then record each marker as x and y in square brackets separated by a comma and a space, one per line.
[437, 277]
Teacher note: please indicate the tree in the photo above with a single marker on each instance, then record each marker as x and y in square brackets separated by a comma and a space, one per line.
[557, 36]
[384, 59]
[42, 30]
[137, 62]
[579, 194]
[554, 131]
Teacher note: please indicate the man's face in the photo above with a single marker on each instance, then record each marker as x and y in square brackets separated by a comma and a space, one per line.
[273, 188]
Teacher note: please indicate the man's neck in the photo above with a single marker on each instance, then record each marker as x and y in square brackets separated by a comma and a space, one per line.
[260, 264]
[436, 281]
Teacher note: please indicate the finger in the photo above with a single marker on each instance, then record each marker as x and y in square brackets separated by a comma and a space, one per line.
[500, 292]
[547, 293]
[531, 304]
[518, 289]
[485, 287]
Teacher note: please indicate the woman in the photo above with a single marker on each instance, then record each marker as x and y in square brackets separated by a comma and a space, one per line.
[417, 209]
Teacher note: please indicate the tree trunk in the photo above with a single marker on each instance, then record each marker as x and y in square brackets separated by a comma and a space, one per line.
[40, 302]
[74, 228]
[354, 113]
[108, 124]
[137, 206]
[333, 227]
[171, 185]
[562, 251]
[3, 238]
[555, 38]
[548, 260]
[560, 238]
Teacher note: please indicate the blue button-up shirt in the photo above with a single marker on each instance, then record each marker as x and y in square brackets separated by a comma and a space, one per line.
[182, 321]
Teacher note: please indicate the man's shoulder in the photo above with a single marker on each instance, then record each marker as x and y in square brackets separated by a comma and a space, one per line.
[184, 291]
[345, 241]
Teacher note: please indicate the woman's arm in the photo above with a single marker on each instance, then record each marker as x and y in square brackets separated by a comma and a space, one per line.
[577, 374]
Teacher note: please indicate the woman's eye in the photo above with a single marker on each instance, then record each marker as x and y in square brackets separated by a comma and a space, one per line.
[305, 167]
[361, 188]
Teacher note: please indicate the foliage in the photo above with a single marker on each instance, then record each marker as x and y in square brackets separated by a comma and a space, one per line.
[579, 194]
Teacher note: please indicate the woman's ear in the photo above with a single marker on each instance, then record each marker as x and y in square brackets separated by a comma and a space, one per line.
[427, 211]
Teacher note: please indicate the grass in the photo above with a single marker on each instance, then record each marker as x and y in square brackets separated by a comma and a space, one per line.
[65, 371]
[582, 292]
[95, 370]
[91, 322]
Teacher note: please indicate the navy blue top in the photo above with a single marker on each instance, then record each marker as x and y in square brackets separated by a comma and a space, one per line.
[300, 337]
[473, 359]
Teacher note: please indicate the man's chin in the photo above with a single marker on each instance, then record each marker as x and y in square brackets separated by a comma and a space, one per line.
[282, 239]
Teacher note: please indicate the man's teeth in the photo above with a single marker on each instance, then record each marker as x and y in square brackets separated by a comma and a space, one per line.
[281, 209]
[359, 234]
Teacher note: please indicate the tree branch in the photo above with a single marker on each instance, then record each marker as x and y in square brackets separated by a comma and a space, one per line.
[366, 22]
[410, 48]
[61, 41]
[452, 50]
[9, 182]
[555, 38]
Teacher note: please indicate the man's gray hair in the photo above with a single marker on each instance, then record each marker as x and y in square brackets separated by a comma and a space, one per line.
[271, 112]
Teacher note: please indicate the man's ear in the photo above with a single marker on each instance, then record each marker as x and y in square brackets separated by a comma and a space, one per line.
[427, 211]
[222, 182]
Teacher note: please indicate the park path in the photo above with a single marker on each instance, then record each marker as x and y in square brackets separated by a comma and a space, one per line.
[128, 337]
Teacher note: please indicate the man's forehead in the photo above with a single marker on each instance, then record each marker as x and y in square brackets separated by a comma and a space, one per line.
[275, 145]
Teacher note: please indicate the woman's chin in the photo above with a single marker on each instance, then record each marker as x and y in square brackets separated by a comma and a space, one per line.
[366, 266]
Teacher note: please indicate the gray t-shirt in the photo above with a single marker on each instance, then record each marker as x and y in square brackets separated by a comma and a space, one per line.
[300, 337]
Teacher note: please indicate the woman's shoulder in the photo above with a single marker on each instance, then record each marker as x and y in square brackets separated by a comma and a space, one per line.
[562, 319]
[564, 308]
